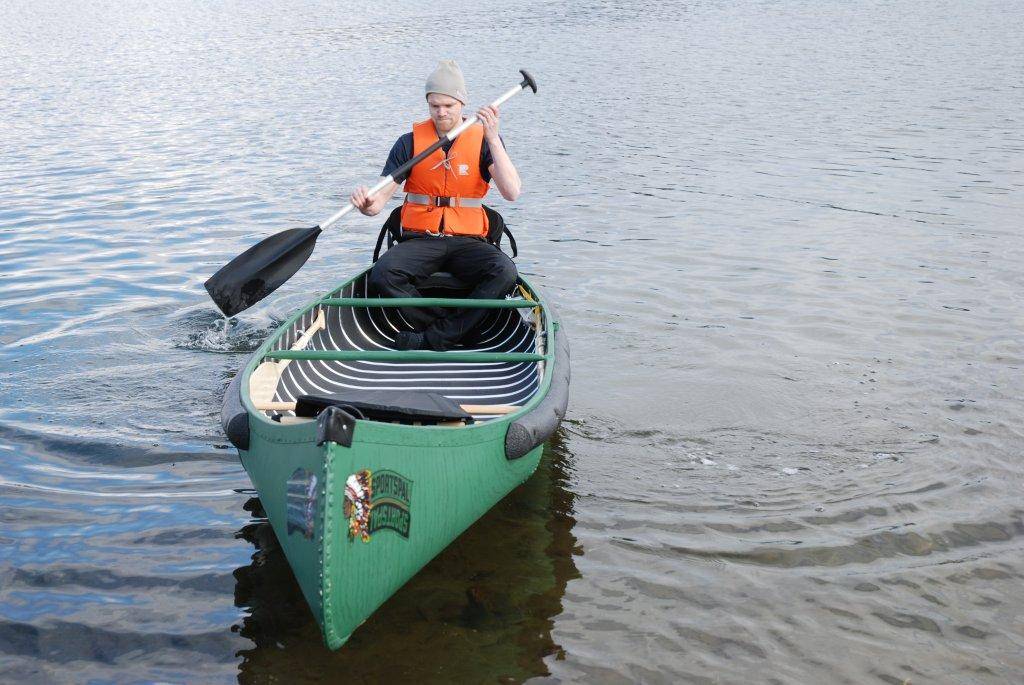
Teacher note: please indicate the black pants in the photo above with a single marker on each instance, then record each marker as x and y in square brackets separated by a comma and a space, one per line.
[489, 270]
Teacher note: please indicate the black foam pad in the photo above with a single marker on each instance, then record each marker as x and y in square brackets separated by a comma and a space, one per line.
[387, 405]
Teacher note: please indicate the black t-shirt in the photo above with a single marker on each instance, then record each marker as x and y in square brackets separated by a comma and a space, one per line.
[401, 152]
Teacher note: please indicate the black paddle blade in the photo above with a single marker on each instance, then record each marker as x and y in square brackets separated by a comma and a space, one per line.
[261, 269]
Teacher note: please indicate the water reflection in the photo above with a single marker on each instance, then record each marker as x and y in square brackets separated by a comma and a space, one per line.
[482, 610]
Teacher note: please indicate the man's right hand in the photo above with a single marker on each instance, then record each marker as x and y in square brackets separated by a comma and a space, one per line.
[363, 202]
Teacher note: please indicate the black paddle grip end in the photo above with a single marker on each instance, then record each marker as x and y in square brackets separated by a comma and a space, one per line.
[528, 80]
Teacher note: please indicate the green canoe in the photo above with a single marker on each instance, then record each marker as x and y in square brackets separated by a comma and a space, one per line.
[370, 461]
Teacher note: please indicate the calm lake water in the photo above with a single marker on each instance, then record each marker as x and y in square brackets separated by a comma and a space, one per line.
[786, 241]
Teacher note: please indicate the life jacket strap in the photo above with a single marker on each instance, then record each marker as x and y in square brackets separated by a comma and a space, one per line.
[436, 201]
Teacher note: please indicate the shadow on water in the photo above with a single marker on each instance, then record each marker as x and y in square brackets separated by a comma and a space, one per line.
[482, 611]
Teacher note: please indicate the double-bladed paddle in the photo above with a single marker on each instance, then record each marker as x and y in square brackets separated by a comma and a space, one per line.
[265, 266]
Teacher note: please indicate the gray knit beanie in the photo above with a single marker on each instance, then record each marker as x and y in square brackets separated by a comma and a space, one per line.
[447, 80]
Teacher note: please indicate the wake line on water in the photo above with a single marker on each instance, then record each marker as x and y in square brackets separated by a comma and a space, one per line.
[119, 495]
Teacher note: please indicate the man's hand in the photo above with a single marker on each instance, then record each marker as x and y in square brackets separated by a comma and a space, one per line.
[363, 202]
[489, 118]
[371, 205]
[502, 171]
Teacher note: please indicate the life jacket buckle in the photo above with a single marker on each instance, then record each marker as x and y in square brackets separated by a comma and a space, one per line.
[443, 201]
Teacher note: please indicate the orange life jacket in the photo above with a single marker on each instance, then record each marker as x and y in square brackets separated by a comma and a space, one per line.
[448, 188]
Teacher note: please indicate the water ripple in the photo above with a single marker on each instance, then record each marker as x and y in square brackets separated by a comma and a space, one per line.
[784, 240]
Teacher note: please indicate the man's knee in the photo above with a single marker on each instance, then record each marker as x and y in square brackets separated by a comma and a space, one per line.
[383, 279]
[505, 272]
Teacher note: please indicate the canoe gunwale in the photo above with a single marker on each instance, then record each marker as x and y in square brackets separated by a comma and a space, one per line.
[530, 429]
[234, 418]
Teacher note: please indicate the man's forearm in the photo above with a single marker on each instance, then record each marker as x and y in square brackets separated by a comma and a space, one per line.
[504, 173]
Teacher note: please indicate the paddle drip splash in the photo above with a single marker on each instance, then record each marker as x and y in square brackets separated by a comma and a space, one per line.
[209, 332]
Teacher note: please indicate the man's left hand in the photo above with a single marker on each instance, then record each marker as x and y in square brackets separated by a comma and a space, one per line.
[489, 118]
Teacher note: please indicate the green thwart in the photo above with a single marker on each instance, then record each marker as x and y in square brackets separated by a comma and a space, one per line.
[369, 461]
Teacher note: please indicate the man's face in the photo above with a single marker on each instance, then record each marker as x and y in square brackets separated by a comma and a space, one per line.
[445, 111]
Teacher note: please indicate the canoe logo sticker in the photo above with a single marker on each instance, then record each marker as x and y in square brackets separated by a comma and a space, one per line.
[358, 501]
[376, 501]
[301, 500]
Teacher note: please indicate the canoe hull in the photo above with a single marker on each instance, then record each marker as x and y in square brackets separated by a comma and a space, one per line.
[428, 491]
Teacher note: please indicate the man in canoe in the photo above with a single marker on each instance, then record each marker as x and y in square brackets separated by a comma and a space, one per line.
[444, 225]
